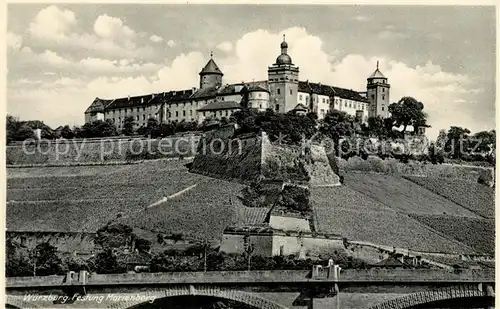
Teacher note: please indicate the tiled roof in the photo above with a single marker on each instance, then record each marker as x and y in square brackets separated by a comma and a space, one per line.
[229, 89]
[256, 87]
[153, 98]
[211, 68]
[377, 74]
[390, 262]
[220, 105]
[300, 107]
[330, 91]
[205, 93]
[98, 106]
[251, 215]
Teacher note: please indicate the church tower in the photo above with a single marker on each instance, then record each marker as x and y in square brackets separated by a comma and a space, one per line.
[377, 92]
[283, 79]
[211, 75]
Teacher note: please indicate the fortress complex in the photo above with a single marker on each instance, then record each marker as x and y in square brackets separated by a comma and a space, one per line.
[282, 92]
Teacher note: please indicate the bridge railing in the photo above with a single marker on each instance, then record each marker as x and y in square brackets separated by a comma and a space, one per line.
[256, 277]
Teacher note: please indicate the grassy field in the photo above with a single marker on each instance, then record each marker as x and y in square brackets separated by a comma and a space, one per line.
[404, 196]
[473, 196]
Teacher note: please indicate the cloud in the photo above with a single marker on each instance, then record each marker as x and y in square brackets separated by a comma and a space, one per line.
[171, 43]
[110, 37]
[14, 41]
[108, 27]
[391, 35]
[155, 38]
[225, 46]
[52, 23]
[361, 18]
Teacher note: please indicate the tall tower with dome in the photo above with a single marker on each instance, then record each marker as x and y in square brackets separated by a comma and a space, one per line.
[283, 79]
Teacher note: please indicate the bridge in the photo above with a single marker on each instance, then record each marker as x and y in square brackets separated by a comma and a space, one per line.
[327, 287]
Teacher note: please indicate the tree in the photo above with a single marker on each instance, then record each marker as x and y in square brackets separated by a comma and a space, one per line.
[408, 111]
[457, 144]
[106, 262]
[98, 128]
[337, 125]
[484, 142]
[377, 127]
[45, 260]
[441, 139]
[128, 126]
[114, 235]
[12, 129]
[67, 133]
[142, 245]
[17, 264]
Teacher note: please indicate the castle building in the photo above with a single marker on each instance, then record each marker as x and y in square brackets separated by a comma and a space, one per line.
[282, 92]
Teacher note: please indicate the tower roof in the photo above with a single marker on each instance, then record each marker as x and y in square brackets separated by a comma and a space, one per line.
[377, 73]
[211, 67]
[284, 58]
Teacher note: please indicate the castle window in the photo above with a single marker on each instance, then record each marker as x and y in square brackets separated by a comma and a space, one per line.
[277, 108]
[373, 97]
[226, 113]
[383, 89]
[260, 105]
[300, 97]
[290, 91]
[323, 100]
[345, 104]
[169, 114]
[382, 108]
[184, 113]
[383, 97]
[176, 113]
[204, 114]
[278, 91]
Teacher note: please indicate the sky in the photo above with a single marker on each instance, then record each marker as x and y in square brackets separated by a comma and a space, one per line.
[60, 57]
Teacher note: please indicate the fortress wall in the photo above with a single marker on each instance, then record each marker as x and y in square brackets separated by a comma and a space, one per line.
[253, 157]
[221, 156]
[81, 243]
[393, 166]
[67, 152]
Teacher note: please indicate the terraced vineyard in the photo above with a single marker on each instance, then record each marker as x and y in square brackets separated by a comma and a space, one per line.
[477, 233]
[476, 197]
[210, 207]
[87, 197]
[358, 217]
[404, 196]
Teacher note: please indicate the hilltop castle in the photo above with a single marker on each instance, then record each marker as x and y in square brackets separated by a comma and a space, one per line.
[282, 92]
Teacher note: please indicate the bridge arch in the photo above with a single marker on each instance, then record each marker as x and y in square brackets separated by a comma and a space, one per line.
[18, 302]
[246, 298]
[432, 296]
